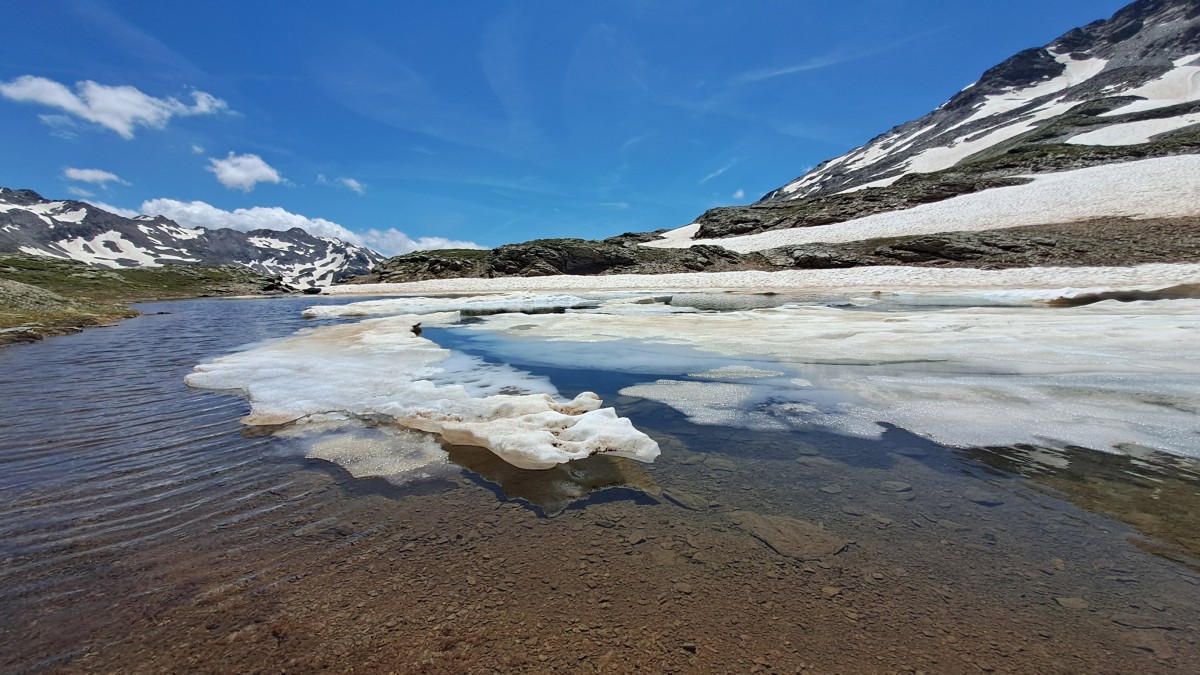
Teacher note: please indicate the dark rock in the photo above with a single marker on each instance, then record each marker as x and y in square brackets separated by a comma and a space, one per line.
[548, 257]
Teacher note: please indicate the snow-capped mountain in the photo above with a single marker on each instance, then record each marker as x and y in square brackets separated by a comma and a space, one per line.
[1124, 81]
[81, 231]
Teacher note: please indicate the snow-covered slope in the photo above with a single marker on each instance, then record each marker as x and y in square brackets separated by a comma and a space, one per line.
[1160, 187]
[81, 231]
[1144, 63]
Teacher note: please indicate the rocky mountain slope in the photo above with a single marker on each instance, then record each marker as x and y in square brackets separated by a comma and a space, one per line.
[1115, 91]
[79, 231]
[1144, 63]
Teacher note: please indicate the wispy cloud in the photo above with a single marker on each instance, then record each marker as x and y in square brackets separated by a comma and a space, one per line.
[815, 63]
[119, 108]
[740, 194]
[719, 171]
[834, 58]
[353, 185]
[79, 192]
[634, 141]
[243, 172]
[350, 183]
[96, 176]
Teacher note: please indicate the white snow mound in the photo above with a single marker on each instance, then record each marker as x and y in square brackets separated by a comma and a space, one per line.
[377, 369]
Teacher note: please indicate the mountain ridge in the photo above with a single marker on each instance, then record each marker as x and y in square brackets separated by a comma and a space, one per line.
[77, 230]
[1148, 51]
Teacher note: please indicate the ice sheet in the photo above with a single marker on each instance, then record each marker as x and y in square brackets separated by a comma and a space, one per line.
[859, 279]
[474, 306]
[1109, 376]
[377, 369]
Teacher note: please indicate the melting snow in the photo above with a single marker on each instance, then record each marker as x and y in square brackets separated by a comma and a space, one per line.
[1107, 376]
[859, 279]
[94, 251]
[942, 156]
[475, 305]
[1164, 187]
[75, 216]
[265, 242]
[378, 369]
[1132, 133]
[1181, 84]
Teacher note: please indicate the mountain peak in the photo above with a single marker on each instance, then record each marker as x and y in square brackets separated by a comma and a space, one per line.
[1146, 56]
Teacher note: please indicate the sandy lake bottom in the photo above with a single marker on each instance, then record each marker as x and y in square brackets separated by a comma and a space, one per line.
[144, 529]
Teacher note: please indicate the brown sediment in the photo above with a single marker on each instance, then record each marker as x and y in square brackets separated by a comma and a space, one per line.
[316, 577]
[143, 532]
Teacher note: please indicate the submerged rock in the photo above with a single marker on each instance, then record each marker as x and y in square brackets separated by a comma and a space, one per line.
[788, 536]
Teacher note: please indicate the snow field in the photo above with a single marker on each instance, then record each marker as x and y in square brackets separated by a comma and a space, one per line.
[1163, 187]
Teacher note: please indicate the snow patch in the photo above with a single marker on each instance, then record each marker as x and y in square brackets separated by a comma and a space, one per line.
[95, 251]
[1133, 133]
[1179, 85]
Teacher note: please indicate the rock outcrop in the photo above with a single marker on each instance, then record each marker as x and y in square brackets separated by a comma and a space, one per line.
[545, 257]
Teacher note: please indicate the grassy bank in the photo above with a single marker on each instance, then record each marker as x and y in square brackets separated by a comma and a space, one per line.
[42, 296]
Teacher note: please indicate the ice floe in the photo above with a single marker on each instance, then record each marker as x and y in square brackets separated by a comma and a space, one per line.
[377, 369]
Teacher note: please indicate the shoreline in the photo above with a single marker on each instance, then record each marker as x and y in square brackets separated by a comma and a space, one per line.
[862, 279]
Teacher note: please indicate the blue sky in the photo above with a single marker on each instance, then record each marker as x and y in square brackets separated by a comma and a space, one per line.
[420, 124]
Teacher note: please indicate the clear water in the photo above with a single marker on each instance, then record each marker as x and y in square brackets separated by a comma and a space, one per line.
[143, 528]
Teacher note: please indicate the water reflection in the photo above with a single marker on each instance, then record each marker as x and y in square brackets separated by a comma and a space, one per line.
[1155, 493]
[553, 490]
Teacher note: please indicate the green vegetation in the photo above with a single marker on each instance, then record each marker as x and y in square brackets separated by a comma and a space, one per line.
[42, 296]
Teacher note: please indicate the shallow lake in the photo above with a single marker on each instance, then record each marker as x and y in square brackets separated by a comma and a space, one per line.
[143, 528]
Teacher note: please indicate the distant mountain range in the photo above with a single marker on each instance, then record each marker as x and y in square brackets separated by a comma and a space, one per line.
[1123, 81]
[80, 231]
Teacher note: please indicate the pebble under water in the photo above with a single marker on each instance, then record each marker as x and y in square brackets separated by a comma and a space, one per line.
[143, 528]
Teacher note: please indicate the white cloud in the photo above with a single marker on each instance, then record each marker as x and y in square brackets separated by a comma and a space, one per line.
[243, 172]
[197, 149]
[394, 242]
[353, 185]
[98, 176]
[79, 192]
[201, 214]
[128, 213]
[119, 108]
[740, 194]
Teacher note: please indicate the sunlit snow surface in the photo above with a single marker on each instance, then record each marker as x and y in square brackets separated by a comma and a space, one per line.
[963, 366]
[1163, 187]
